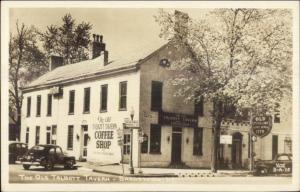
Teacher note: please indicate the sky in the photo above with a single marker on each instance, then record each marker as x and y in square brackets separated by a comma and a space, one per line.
[127, 32]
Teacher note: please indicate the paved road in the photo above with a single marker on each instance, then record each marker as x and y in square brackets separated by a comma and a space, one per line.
[83, 175]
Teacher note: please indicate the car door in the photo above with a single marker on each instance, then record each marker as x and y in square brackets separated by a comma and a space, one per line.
[59, 156]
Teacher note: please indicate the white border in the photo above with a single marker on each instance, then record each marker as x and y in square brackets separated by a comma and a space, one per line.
[294, 5]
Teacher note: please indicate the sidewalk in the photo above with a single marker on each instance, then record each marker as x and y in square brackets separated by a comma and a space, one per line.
[120, 170]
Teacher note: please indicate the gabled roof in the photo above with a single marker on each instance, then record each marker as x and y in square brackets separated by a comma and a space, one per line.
[86, 69]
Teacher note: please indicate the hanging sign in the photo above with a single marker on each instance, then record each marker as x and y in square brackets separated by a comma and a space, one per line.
[261, 125]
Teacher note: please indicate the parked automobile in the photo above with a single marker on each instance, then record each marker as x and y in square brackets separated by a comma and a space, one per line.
[281, 164]
[47, 156]
[16, 150]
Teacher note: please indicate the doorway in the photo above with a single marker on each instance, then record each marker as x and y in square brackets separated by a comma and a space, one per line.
[84, 141]
[176, 145]
[236, 150]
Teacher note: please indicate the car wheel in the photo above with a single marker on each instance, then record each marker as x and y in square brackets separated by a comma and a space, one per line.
[26, 167]
[49, 165]
[69, 164]
[263, 171]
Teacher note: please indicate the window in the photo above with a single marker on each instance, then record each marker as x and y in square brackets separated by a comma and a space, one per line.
[126, 144]
[37, 135]
[283, 158]
[52, 151]
[86, 102]
[48, 135]
[123, 95]
[38, 105]
[274, 145]
[71, 101]
[27, 135]
[70, 137]
[198, 137]
[53, 136]
[156, 96]
[103, 98]
[287, 145]
[49, 105]
[58, 151]
[199, 106]
[277, 114]
[155, 138]
[28, 106]
[144, 145]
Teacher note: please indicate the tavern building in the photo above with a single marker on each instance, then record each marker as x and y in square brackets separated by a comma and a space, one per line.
[82, 107]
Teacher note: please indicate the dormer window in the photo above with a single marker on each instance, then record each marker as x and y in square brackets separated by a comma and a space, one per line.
[164, 63]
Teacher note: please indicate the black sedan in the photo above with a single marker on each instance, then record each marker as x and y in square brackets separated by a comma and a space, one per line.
[16, 150]
[281, 164]
[47, 156]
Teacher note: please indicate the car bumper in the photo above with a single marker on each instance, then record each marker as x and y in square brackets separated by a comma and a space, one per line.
[29, 163]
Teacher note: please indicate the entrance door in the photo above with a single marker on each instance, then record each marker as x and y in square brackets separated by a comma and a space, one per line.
[236, 150]
[176, 145]
[84, 141]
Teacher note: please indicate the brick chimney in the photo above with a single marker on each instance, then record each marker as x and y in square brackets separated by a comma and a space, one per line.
[55, 61]
[105, 58]
[97, 46]
[181, 24]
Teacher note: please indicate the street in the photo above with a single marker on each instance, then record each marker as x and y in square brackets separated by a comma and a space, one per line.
[83, 175]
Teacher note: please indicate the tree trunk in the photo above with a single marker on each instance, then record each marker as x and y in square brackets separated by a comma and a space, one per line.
[216, 136]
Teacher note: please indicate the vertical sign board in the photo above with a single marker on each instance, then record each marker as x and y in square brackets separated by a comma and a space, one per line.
[261, 125]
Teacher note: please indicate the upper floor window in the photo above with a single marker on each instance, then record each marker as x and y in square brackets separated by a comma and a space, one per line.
[28, 106]
[38, 105]
[103, 98]
[277, 114]
[123, 96]
[199, 103]
[156, 95]
[86, 102]
[49, 105]
[71, 101]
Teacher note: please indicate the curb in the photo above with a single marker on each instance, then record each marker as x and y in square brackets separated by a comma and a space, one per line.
[196, 175]
[137, 175]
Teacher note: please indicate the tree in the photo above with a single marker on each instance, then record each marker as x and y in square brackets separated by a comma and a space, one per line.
[26, 62]
[70, 41]
[238, 57]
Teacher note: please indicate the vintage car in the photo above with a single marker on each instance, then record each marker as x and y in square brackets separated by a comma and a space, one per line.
[281, 164]
[47, 156]
[16, 150]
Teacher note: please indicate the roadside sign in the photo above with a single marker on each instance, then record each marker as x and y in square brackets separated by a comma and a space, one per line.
[226, 139]
[261, 125]
[134, 125]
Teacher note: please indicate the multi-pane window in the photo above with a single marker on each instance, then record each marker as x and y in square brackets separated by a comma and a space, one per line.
[28, 106]
[126, 144]
[199, 106]
[48, 135]
[156, 95]
[198, 137]
[53, 136]
[71, 101]
[155, 138]
[37, 135]
[123, 96]
[38, 105]
[70, 137]
[49, 105]
[86, 102]
[27, 135]
[144, 145]
[103, 98]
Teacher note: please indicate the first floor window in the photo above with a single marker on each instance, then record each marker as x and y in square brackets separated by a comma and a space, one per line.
[287, 145]
[53, 136]
[274, 145]
[144, 145]
[37, 135]
[48, 135]
[27, 135]
[126, 144]
[155, 138]
[198, 137]
[70, 137]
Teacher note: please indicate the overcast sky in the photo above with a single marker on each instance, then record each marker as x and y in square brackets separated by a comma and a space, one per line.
[128, 33]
